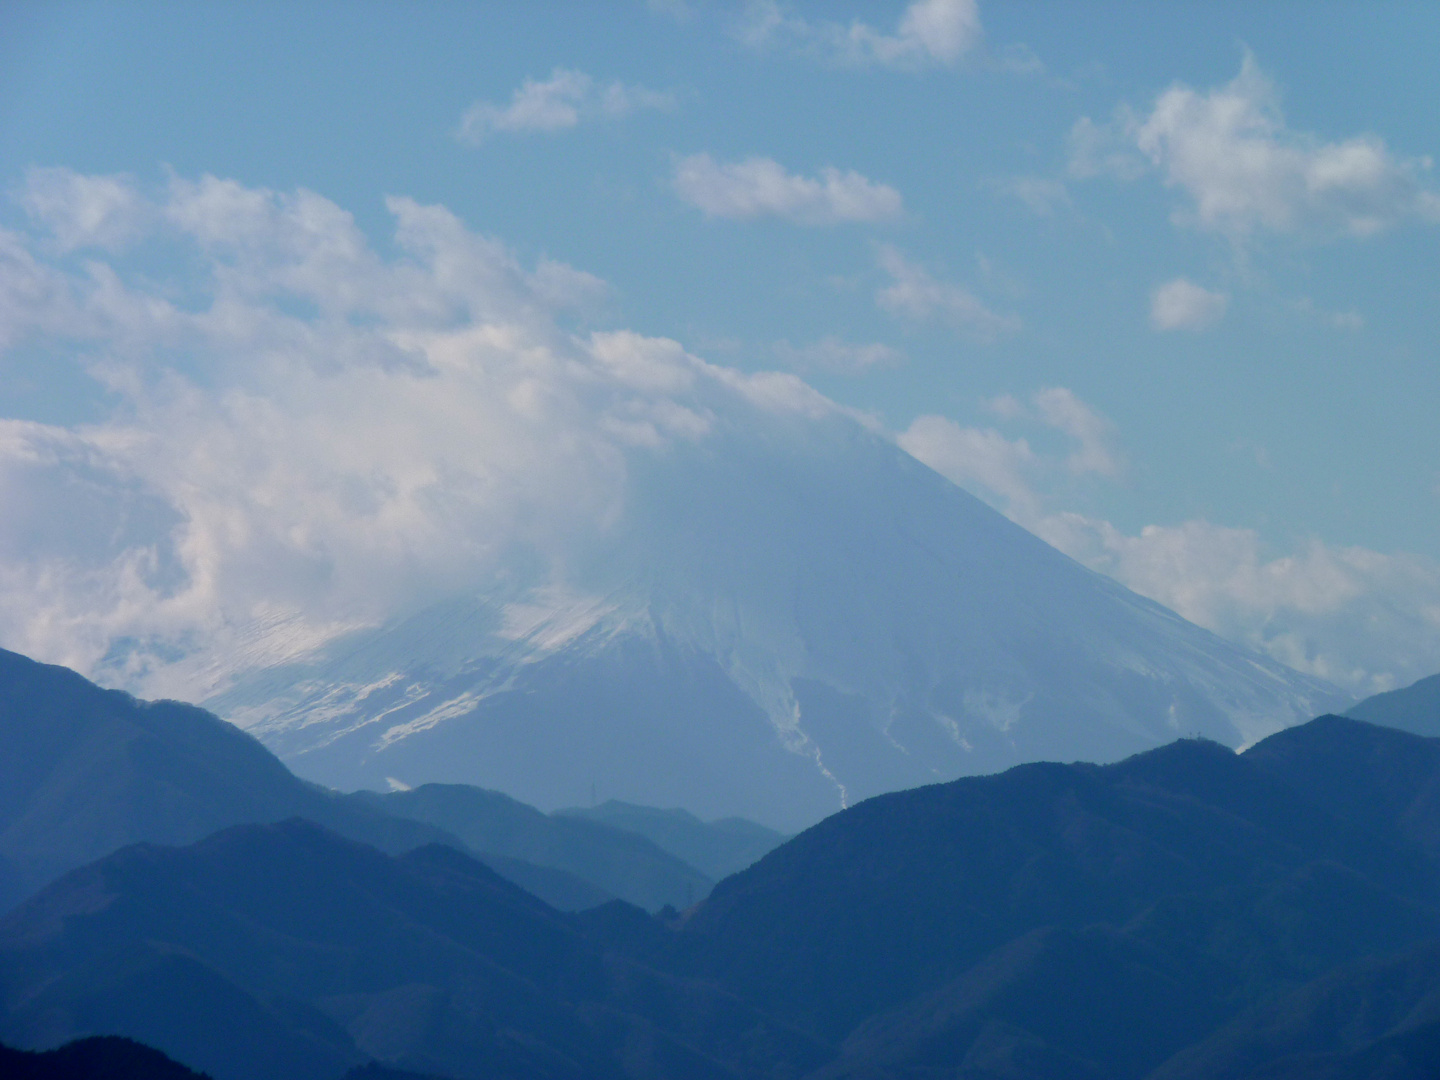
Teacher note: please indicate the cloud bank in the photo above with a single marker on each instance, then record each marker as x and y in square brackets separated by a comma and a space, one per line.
[309, 436]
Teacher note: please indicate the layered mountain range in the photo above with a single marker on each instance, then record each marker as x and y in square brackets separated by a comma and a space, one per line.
[781, 621]
[85, 771]
[1187, 912]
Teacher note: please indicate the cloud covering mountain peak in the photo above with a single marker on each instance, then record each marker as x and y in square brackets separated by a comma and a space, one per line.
[305, 425]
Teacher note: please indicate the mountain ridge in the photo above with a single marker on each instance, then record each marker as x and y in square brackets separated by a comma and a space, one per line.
[284, 950]
[85, 771]
[1414, 708]
[1186, 912]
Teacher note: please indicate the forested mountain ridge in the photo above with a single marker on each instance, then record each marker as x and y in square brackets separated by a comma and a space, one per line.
[85, 771]
[1185, 913]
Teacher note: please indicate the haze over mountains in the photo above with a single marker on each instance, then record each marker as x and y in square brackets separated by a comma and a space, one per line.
[759, 540]
[1185, 913]
[787, 615]
[1412, 708]
[85, 771]
[476, 545]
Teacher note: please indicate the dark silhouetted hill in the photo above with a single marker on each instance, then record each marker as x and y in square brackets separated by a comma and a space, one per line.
[99, 1057]
[1088, 920]
[285, 951]
[1185, 913]
[1376, 1017]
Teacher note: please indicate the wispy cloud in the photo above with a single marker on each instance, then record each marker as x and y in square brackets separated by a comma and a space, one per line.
[929, 33]
[1364, 619]
[1183, 305]
[915, 295]
[562, 101]
[974, 457]
[761, 187]
[1092, 434]
[1042, 195]
[1244, 170]
[1339, 320]
[832, 355]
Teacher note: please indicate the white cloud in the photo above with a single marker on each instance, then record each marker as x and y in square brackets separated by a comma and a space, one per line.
[33, 296]
[1244, 170]
[1092, 433]
[929, 33]
[1339, 320]
[760, 187]
[831, 354]
[971, 456]
[915, 295]
[83, 211]
[1363, 619]
[1009, 467]
[557, 103]
[1103, 149]
[319, 436]
[1183, 305]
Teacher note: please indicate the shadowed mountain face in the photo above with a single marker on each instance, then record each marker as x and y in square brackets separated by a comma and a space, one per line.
[1415, 708]
[1185, 913]
[1078, 915]
[1377, 1017]
[780, 619]
[86, 771]
[718, 848]
[284, 951]
[100, 1057]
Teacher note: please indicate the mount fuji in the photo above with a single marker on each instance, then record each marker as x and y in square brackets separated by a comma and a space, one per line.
[787, 615]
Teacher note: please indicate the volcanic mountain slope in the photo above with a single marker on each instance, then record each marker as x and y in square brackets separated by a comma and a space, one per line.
[86, 771]
[785, 617]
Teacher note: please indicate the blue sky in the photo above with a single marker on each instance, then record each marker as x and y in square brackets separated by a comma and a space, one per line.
[1158, 280]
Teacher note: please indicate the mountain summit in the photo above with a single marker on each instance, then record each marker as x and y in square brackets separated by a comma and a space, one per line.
[786, 616]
